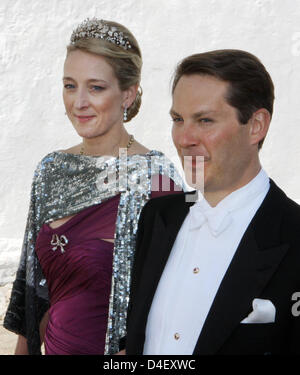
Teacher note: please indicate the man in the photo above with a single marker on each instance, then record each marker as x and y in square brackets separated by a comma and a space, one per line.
[217, 276]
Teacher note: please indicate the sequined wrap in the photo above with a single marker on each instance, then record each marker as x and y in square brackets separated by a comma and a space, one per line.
[64, 184]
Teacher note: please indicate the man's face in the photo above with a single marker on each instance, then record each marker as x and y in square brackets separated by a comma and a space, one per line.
[204, 124]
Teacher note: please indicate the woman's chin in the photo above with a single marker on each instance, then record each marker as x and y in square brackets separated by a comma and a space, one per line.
[86, 133]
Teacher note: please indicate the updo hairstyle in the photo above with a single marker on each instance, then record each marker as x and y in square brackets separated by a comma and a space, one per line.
[126, 63]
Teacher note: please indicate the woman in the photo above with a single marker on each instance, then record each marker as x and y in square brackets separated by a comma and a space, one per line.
[72, 285]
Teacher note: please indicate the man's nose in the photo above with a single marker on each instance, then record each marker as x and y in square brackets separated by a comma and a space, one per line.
[189, 136]
[81, 100]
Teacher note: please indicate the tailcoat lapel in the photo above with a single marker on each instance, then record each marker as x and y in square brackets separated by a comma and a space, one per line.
[253, 264]
[165, 229]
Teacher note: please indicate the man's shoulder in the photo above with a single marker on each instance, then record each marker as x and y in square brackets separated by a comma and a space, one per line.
[281, 220]
[166, 201]
[292, 205]
[287, 204]
[166, 204]
[291, 214]
[285, 209]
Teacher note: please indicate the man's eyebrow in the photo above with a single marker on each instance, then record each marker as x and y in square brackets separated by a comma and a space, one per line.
[173, 113]
[195, 115]
[203, 113]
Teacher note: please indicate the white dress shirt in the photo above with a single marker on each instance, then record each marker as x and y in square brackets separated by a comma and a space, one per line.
[201, 254]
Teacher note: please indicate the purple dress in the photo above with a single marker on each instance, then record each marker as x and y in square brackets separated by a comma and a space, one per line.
[79, 279]
[78, 275]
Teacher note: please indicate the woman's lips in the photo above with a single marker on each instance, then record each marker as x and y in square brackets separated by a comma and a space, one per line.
[84, 118]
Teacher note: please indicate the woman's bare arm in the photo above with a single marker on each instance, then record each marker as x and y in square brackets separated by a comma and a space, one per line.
[121, 352]
[21, 347]
[43, 326]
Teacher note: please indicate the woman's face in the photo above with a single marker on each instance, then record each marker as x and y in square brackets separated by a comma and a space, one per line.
[93, 100]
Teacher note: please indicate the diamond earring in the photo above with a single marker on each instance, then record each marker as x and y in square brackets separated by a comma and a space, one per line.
[125, 114]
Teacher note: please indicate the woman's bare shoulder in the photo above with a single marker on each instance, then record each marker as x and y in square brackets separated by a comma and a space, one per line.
[138, 148]
[72, 150]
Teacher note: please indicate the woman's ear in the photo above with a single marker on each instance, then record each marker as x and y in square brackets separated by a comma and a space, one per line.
[130, 95]
[259, 125]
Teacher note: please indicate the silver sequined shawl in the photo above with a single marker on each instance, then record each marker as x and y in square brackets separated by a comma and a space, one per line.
[64, 184]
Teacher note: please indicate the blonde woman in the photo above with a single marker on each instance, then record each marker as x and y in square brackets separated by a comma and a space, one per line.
[72, 284]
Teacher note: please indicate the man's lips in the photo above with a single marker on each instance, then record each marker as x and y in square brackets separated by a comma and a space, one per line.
[195, 158]
[194, 162]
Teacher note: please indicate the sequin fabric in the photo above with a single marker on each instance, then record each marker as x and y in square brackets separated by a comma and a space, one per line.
[63, 185]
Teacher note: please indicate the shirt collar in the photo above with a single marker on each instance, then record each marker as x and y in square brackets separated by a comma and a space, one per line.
[219, 217]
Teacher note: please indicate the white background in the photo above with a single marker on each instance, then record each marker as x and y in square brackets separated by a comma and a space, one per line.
[33, 38]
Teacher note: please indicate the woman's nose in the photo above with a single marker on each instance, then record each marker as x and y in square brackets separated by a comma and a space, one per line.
[81, 100]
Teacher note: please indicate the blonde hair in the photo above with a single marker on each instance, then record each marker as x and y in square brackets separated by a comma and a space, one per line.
[126, 63]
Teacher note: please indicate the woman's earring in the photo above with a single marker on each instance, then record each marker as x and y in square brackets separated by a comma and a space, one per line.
[125, 114]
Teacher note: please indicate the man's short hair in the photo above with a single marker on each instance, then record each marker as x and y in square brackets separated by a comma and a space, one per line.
[250, 85]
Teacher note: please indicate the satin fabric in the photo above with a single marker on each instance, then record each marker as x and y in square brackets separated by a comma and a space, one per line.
[79, 280]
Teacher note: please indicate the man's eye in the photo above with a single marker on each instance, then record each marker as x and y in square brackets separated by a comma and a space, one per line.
[205, 120]
[176, 119]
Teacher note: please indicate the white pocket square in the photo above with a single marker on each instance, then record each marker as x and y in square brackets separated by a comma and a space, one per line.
[263, 312]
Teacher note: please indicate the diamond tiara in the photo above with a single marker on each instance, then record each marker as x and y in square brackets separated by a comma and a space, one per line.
[94, 28]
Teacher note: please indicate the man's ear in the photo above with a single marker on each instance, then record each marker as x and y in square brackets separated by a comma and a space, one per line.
[259, 125]
[129, 95]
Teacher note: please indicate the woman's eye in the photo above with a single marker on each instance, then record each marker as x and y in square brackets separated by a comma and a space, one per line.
[68, 86]
[97, 88]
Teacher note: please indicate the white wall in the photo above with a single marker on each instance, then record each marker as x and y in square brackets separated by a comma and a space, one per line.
[33, 36]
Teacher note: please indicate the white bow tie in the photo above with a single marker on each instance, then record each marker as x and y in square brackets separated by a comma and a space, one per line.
[217, 220]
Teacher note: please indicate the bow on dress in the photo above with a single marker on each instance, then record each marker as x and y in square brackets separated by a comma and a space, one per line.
[59, 242]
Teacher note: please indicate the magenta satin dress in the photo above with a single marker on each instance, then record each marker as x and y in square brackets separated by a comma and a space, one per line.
[79, 277]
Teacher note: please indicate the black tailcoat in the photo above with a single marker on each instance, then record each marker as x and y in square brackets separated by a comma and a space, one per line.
[266, 265]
